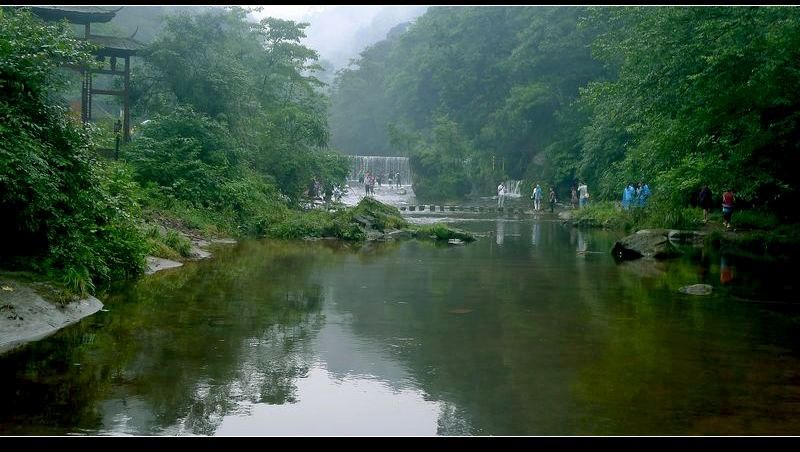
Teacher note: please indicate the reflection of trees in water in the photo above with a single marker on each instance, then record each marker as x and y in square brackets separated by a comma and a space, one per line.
[191, 343]
[548, 330]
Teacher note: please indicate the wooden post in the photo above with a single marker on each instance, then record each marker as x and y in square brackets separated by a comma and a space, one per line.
[84, 95]
[126, 121]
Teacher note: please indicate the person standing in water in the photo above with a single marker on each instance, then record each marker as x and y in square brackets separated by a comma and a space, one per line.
[501, 194]
[537, 197]
[552, 200]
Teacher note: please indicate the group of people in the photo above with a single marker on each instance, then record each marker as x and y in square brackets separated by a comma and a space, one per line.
[706, 202]
[635, 196]
[537, 195]
[316, 191]
[369, 180]
[579, 196]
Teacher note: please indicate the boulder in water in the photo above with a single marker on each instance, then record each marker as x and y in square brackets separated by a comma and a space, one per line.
[645, 243]
[696, 289]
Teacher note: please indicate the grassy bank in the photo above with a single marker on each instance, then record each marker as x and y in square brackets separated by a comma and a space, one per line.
[756, 233]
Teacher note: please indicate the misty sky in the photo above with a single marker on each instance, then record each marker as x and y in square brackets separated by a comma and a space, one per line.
[340, 32]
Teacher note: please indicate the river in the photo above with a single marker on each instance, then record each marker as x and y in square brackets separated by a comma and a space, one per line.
[532, 330]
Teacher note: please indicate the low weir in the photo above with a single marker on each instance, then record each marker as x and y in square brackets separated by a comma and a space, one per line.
[379, 165]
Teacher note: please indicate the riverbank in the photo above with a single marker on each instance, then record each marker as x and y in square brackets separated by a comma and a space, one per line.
[33, 307]
[753, 234]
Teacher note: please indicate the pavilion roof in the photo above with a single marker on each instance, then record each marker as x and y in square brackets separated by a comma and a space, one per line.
[75, 14]
[116, 46]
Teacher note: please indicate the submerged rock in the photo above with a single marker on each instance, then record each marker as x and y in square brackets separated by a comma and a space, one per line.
[696, 289]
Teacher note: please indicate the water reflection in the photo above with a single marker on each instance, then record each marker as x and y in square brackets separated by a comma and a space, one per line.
[500, 232]
[416, 338]
[725, 271]
[582, 245]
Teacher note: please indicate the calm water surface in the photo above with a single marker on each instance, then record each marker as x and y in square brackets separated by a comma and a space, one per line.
[532, 330]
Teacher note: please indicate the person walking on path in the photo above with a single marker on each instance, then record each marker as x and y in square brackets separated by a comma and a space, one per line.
[642, 194]
[552, 199]
[704, 200]
[501, 194]
[728, 199]
[627, 196]
[574, 197]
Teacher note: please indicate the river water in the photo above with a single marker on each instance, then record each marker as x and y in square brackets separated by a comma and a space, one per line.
[532, 330]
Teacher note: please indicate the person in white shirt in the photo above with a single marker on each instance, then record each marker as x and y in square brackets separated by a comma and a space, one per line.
[583, 194]
[501, 195]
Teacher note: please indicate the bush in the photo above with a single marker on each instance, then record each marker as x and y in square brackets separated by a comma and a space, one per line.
[754, 219]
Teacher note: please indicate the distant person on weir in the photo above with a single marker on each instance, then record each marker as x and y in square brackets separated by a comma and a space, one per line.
[537, 198]
[397, 179]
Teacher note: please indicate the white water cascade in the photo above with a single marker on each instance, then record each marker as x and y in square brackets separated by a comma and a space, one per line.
[513, 188]
[387, 167]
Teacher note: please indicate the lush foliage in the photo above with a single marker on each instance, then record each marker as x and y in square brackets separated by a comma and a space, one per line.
[253, 79]
[703, 95]
[57, 201]
[473, 95]
[678, 97]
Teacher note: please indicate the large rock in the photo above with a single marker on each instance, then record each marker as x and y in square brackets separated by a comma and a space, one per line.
[25, 316]
[652, 243]
[155, 264]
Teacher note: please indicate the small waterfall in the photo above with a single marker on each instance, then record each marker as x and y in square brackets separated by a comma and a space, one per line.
[387, 167]
[512, 188]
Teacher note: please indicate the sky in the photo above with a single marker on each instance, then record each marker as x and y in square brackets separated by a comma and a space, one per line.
[341, 32]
